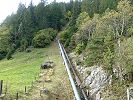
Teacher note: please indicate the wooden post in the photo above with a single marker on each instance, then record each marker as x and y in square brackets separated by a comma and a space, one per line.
[1, 86]
[17, 96]
[40, 70]
[11, 97]
[38, 75]
[25, 90]
[43, 84]
[40, 92]
[128, 94]
[6, 88]
[32, 84]
[87, 92]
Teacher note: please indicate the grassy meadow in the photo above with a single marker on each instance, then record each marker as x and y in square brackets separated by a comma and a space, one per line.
[22, 69]
[59, 86]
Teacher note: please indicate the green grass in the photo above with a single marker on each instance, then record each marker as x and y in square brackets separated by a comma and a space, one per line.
[22, 69]
[59, 84]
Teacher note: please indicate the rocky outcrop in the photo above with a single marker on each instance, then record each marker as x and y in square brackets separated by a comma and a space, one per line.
[94, 77]
[97, 80]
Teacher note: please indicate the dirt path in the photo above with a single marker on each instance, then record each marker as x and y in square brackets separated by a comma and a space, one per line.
[58, 87]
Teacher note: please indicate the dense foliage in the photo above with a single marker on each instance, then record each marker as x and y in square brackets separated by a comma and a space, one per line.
[24, 26]
[98, 29]
[103, 38]
[29, 20]
[4, 37]
[44, 37]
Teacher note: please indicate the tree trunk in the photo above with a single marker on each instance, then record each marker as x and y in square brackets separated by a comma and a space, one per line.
[119, 59]
[119, 49]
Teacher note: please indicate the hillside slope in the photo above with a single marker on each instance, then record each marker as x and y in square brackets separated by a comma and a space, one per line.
[24, 67]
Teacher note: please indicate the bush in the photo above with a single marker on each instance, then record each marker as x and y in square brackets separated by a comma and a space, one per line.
[2, 54]
[41, 40]
[94, 51]
[9, 55]
[80, 47]
[66, 35]
[24, 44]
[3, 47]
[44, 37]
[10, 52]
[29, 49]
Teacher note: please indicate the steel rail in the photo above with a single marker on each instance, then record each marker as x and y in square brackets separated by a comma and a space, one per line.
[77, 96]
[76, 77]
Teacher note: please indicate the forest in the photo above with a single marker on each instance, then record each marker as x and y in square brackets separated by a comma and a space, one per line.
[102, 33]
[100, 30]
[19, 29]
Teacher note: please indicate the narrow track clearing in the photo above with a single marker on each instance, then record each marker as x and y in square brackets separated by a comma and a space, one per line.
[59, 86]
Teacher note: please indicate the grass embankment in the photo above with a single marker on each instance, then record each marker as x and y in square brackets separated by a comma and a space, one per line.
[22, 69]
[59, 87]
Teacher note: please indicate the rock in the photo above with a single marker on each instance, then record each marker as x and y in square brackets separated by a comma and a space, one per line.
[50, 72]
[116, 72]
[45, 91]
[29, 49]
[48, 64]
[72, 55]
[95, 78]
[81, 69]
[98, 96]
[48, 79]
[78, 67]
[42, 74]
[81, 58]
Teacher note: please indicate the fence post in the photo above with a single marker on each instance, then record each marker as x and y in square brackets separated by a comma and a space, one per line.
[1, 86]
[11, 97]
[128, 95]
[32, 83]
[17, 96]
[6, 88]
[40, 70]
[25, 90]
[43, 84]
[38, 75]
[40, 93]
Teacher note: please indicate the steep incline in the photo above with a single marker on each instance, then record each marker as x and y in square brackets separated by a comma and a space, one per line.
[59, 88]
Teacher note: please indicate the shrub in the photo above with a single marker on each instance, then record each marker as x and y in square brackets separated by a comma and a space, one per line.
[24, 44]
[66, 35]
[94, 51]
[10, 52]
[44, 37]
[2, 54]
[9, 55]
[80, 47]
[29, 49]
[4, 44]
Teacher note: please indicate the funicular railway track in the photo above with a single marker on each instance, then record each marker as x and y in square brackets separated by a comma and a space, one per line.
[79, 92]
